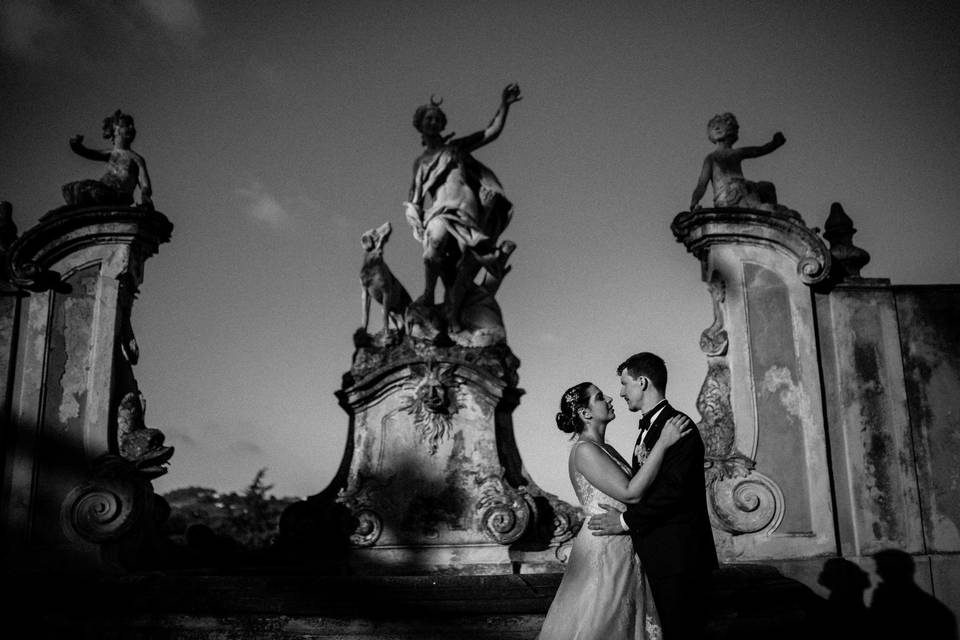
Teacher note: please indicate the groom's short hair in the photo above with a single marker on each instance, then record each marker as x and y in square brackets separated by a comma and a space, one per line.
[648, 365]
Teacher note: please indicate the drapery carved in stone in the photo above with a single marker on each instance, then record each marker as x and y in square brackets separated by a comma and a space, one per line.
[504, 512]
[740, 499]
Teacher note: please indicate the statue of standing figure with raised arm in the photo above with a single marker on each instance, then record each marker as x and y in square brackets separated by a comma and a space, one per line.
[457, 209]
[721, 168]
[126, 169]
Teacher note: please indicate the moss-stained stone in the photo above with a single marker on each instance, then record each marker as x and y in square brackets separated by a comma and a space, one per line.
[872, 456]
[930, 336]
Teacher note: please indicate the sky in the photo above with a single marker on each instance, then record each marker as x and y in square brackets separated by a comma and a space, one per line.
[276, 133]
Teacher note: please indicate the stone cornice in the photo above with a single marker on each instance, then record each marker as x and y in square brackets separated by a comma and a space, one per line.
[781, 230]
[64, 231]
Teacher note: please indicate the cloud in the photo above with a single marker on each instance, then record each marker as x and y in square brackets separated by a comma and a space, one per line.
[245, 448]
[24, 24]
[92, 32]
[263, 206]
[178, 17]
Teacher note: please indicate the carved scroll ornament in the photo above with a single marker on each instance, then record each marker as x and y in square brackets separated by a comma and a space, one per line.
[112, 503]
[368, 523]
[505, 513]
[740, 499]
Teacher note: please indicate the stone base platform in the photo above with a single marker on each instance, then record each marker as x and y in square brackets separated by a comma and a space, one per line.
[748, 601]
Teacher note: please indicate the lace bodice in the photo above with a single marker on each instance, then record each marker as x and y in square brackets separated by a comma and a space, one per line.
[590, 497]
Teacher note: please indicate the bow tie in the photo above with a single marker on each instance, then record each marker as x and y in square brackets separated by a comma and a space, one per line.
[645, 421]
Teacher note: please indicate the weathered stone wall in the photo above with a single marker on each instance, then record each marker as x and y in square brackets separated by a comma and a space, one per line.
[891, 372]
[929, 319]
[72, 498]
[768, 481]
[432, 475]
[930, 341]
[868, 423]
[842, 392]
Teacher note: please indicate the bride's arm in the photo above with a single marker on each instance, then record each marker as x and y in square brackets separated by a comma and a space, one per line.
[603, 473]
[675, 428]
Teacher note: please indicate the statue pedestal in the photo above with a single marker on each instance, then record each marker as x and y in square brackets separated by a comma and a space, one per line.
[768, 474]
[72, 501]
[432, 474]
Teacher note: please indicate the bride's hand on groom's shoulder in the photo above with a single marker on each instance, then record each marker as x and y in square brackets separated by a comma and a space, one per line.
[606, 523]
[676, 428]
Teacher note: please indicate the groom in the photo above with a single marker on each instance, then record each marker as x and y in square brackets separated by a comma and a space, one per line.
[670, 527]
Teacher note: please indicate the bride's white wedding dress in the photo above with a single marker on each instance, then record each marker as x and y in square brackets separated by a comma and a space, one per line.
[603, 595]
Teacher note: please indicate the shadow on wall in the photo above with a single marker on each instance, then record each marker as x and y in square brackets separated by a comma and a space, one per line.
[898, 607]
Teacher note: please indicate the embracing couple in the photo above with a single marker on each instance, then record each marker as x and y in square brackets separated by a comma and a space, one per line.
[641, 569]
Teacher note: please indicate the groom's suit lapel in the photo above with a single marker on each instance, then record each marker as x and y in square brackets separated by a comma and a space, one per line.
[657, 426]
[634, 461]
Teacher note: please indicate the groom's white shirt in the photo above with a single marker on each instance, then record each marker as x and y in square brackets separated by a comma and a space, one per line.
[643, 436]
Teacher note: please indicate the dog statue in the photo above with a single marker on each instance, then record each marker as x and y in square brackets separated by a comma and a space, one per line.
[379, 282]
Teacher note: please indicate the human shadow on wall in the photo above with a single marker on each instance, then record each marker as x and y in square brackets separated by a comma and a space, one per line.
[844, 614]
[899, 608]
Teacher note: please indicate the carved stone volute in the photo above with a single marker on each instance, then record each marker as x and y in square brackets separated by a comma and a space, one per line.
[504, 512]
[115, 501]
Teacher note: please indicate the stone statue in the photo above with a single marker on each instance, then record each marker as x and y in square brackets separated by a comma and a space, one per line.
[456, 207]
[379, 283]
[126, 169]
[721, 168]
[141, 445]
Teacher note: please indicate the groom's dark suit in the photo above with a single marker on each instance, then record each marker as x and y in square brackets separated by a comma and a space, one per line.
[671, 532]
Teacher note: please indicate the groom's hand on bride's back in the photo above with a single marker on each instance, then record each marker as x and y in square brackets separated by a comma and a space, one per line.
[606, 523]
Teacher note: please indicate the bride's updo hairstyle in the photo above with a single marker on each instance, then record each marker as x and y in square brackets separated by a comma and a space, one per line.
[574, 398]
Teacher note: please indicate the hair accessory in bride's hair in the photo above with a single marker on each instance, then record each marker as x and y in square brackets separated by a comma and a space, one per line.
[572, 399]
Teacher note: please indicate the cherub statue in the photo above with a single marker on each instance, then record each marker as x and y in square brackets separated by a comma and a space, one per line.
[721, 168]
[456, 205]
[126, 169]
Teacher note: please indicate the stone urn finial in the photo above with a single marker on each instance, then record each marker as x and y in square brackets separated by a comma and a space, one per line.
[838, 231]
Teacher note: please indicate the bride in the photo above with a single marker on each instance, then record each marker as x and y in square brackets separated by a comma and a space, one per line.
[603, 593]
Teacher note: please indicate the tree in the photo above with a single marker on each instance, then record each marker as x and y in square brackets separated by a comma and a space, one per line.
[251, 518]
